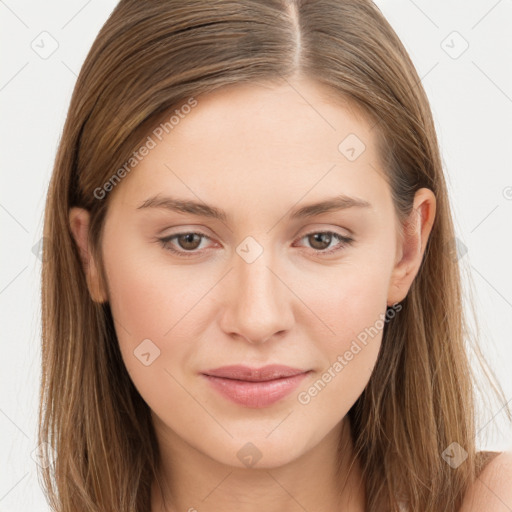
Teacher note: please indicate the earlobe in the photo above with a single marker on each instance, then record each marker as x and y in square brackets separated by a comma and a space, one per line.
[416, 231]
[79, 225]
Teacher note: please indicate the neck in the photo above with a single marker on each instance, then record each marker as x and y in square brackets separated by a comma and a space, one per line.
[190, 480]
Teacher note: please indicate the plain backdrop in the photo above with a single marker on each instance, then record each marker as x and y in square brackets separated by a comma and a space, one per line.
[463, 53]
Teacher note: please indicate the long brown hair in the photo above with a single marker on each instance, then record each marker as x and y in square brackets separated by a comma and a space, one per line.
[150, 57]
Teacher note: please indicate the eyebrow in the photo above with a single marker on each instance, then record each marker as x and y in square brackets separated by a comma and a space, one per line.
[340, 202]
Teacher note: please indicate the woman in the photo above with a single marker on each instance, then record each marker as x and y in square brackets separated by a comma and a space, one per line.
[250, 297]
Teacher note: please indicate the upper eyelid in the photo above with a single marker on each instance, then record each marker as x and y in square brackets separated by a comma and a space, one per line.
[186, 231]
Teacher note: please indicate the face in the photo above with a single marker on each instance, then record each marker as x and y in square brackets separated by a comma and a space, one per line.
[268, 282]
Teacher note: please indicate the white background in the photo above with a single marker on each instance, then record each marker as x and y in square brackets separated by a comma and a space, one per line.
[471, 98]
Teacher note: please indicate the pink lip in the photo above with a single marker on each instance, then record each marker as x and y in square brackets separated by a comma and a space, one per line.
[255, 387]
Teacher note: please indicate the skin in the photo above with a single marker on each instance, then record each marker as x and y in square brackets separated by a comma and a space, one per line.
[491, 491]
[256, 151]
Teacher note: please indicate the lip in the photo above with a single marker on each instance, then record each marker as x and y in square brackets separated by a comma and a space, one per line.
[255, 387]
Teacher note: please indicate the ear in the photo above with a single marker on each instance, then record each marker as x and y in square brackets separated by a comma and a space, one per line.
[79, 224]
[411, 245]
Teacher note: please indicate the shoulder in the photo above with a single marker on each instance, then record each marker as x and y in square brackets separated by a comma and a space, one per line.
[492, 490]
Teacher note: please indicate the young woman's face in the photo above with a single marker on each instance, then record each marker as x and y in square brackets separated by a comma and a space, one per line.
[270, 282]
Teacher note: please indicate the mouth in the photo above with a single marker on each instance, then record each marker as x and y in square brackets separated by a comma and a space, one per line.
[255, 387]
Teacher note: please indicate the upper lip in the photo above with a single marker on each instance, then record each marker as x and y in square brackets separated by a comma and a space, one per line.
[269, 372]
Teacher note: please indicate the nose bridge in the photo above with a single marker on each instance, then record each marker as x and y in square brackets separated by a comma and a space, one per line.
[258, 305]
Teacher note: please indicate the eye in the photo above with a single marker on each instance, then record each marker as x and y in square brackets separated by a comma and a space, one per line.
[321, 240]
[190, 242]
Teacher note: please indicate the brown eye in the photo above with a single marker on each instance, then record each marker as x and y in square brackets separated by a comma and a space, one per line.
[320, 241]
[183, 244]
[187, 242]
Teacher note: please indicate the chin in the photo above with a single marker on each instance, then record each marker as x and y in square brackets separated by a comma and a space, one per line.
[260, 451]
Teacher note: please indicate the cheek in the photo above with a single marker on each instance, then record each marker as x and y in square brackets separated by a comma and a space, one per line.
[348, 298]
[154, 331]
[146, 301]
[149, 293]
[355, 310]
[356, 318]
[352, 302]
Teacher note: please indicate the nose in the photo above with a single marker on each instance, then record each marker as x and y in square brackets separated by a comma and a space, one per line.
[258, 303]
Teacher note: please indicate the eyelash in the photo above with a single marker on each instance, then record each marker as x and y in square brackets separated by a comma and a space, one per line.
[344, 241]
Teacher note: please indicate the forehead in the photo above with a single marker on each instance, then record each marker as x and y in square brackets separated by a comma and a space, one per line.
[277, 113]
[280, 140]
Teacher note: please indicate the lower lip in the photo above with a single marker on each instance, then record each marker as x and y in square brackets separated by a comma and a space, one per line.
[255, 394]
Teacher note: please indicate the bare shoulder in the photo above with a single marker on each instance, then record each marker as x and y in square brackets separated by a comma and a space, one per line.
[492, 490]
